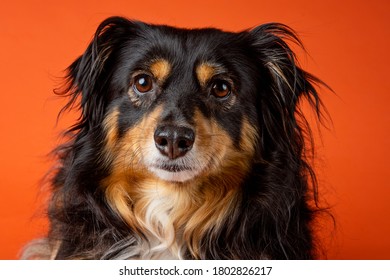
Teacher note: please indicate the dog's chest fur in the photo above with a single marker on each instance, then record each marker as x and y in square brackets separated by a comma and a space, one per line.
[169, 219]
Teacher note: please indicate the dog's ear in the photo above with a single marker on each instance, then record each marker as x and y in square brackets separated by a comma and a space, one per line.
[284, 84]
[88, 76]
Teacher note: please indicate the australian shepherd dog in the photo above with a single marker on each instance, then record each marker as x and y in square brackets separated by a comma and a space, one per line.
[191, 144]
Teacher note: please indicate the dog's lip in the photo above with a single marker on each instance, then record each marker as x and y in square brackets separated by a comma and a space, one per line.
[173, 167]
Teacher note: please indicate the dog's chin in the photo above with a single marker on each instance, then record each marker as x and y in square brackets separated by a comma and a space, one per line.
[175, 174]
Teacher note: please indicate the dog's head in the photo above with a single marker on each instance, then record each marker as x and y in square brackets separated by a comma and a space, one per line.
[183, 104]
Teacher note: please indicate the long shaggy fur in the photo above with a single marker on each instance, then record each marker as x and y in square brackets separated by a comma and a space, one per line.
[257, 200]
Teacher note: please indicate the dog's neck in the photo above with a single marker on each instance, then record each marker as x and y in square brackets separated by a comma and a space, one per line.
[171, 218]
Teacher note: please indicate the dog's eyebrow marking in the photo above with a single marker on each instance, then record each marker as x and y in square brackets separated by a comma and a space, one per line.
[160, 69]
[205, 71]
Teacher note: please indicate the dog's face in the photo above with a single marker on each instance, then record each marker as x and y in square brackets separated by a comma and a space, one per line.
[182, 104]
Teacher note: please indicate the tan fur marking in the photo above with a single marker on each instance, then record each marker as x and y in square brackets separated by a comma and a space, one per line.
[160, 69]
[205, 72]
[111, 127]
[249, 135]
[225, 158]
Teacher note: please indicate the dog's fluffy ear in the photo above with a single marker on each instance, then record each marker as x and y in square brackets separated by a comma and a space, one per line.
[285, 82]
[89, 75]
[271, 43]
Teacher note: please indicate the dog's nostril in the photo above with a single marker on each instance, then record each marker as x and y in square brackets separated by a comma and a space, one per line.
[174, 141]
[184, 144]
[161, 141]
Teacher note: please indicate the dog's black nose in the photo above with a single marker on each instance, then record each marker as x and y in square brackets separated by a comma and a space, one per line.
[174, 141]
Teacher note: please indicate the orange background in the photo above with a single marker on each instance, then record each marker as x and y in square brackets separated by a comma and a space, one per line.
[348, 45]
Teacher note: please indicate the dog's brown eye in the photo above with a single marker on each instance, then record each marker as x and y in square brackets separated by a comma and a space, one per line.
[143, 83]
[220, 88]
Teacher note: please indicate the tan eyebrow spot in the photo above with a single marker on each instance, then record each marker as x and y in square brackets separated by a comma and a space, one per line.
[205, 71]
[160, 69]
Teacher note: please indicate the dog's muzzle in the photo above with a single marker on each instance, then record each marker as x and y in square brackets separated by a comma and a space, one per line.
[174, 141]
[174, 157]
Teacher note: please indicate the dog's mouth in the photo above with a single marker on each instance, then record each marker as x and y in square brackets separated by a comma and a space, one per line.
[175, 172]
[173, 167]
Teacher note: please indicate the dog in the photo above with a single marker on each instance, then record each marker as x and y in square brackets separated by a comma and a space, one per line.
[191, 144]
